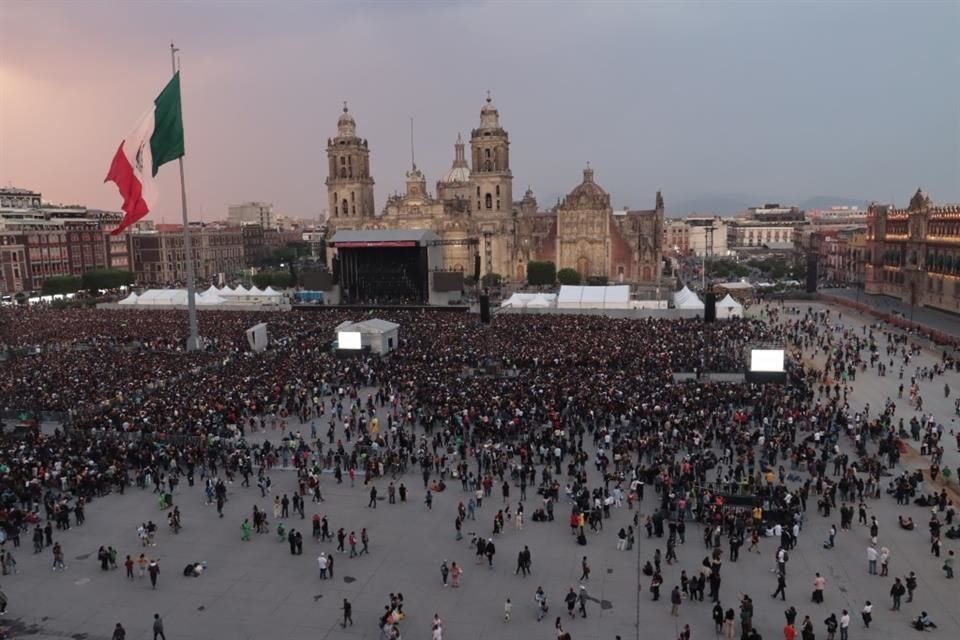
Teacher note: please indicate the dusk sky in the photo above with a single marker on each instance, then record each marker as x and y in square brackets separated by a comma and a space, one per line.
[773, 99]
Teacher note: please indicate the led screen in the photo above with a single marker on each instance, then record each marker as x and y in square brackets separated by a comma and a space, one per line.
[766, 360]
[348, 339]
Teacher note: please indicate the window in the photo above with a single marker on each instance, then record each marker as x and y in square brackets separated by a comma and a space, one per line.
[343, 161]
[353, 196]
[489, 201]
[353, 210]
[498, 205]
[488, 152]
[478, 192]
[498, 191]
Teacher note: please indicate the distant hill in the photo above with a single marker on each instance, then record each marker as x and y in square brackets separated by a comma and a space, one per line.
[723, 204]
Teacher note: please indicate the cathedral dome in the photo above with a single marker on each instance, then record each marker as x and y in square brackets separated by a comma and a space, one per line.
[457, 174]
[588, 188]
[460, 171]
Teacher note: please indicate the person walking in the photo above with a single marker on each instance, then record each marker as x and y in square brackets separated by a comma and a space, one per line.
[158, 627]
[896, 592]
[675, 599]
[347, 613]
[781, 586]
[911, 584]
[455, 572]
[884, 561]
[119, 633]
[819, 583]
[729, 624]
[584, 569]
[57, 551]
[322, 565]
[867, 614]
[444, 572]
[154, 570]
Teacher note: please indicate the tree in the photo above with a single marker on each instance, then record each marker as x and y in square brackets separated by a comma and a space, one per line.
[275, 279]
[597, 281]
[107, 279]
[568, 276]
[491, 280]
[58, 285]
[541, 273]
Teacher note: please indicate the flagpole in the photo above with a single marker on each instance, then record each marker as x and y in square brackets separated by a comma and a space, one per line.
[193, 342]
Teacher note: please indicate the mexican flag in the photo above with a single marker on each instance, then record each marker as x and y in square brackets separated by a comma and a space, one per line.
[156, 140]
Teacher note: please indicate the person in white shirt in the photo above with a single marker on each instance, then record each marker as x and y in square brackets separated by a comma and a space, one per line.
[872, 556]
[844, 625]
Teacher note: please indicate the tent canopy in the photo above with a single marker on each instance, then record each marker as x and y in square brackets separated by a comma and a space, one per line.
[594, 297]
[686, 299]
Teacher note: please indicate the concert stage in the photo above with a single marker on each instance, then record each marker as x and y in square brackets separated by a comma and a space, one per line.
[384, 268]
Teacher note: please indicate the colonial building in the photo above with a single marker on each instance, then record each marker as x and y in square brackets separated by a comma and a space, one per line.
[914, 253]
[159, 258]
[474, 211]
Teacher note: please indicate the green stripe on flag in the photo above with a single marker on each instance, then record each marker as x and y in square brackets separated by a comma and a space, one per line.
[166, 143]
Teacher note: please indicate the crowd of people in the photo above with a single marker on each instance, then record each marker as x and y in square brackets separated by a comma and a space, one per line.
[589, 419]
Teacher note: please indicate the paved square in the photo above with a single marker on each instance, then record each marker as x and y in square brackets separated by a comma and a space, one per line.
[257, 589]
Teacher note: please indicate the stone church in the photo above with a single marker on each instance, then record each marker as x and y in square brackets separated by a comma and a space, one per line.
[474, 211]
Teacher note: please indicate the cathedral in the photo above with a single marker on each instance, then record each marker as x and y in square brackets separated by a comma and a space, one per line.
[474, 211]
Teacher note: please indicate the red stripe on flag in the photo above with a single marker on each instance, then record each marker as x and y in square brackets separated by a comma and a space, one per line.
[134, 206]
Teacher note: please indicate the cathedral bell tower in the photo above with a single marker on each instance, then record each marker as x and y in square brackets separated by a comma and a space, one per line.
[349, 185]
[490, 160]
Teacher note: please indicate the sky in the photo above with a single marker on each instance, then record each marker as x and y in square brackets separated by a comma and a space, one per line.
[764, 99]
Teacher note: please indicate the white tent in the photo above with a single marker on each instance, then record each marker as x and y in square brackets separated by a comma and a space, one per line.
[273, 293]
[162, 297]
[594, 297]
[130, 299]
[729, 308]
[209, 299]
[518, 300]
[212, 290]
[254, 291]
[686, 299]
[539, 302]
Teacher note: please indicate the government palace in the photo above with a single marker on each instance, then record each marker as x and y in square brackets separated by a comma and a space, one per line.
[474, 211]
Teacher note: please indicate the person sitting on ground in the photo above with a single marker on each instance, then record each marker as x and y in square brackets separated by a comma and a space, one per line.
[906, 522]
[923, 622]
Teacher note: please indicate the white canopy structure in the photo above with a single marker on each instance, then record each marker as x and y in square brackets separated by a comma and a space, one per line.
[686, 299]
[597, 297]
[130, 299]
[518, 300]
[540, 301]
[208, 299]
[729, 308]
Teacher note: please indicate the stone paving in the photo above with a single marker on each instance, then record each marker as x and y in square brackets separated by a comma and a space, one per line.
[257, 589]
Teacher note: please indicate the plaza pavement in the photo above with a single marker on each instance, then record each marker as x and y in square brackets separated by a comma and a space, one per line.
[258, 590]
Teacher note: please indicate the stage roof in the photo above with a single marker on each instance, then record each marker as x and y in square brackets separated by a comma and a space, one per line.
[386, 237]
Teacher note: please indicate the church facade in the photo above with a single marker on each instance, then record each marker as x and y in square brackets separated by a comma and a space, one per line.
[474, 211]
